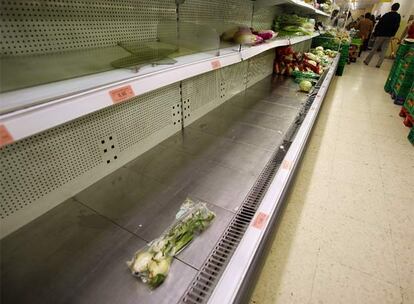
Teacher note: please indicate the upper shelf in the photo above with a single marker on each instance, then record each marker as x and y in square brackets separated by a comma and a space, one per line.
[303, 6]
[58, 102]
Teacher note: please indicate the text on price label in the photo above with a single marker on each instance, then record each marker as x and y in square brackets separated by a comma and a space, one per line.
[216, 64]
[122, 94]
[260, 220]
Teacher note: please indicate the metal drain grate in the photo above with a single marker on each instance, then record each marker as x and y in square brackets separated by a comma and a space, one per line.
[204, 282]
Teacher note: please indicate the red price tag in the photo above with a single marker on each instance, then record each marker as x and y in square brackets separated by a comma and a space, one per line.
[260, 220]
[215, 64]
[5, 136]
[122, 94]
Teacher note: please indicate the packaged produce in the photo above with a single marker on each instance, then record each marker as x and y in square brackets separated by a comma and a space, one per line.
[266, 34]
[152, 263]
[293, 25]
[247, 36]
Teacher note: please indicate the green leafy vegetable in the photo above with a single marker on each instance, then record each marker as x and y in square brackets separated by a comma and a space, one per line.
[153, 264]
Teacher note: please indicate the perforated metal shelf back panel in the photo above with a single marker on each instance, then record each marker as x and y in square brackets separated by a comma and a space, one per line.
[96, 144]
[48, 26]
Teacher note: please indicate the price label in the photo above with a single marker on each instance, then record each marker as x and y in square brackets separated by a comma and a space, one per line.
[122, 94]
[287, 164]
[5, 136]
[260, 220]
[216, 64]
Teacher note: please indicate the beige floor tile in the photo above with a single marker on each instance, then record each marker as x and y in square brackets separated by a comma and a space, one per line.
[404, 256]
[391, 115]
[318, 162]
[336, 283]
[356, 172]
[408, 292]
[310, 184]
[400, 213]
[356, 126]
[391, 129]
[362, 246]
[398, 183]
[365, 204]
[356, 137]
[397, 160]
[356, 152]
[328, 133]
[288, 272]
[318, 143]
[392, 144]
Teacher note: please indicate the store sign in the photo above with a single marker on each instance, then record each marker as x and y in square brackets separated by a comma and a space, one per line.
[260, 220]
[122, 94]
[5, 136]
[216, 64]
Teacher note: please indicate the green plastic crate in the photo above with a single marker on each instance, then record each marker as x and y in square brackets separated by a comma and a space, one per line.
[403, 49]
[409, 103]
[340, 70]
[402, 89]
[393, 76]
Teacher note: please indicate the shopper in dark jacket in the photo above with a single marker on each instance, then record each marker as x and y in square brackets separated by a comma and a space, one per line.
[386, 28]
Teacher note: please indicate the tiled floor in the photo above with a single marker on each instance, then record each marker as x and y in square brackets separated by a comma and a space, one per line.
[347, 233]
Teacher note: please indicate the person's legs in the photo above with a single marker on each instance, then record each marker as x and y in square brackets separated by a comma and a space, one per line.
[363, 47]
[384, 47]
[377, 44]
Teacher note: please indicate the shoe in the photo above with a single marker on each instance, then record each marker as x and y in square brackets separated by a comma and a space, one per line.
[366, 63]
[377, 66]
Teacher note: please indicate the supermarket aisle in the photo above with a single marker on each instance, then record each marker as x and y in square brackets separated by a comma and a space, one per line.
[347, 233]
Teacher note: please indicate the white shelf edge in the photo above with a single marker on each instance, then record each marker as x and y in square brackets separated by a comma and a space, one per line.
[230, 282]
[41, 117]
[300, 4]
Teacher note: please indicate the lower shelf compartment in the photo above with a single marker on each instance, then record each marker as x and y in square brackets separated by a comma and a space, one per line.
[76, 252]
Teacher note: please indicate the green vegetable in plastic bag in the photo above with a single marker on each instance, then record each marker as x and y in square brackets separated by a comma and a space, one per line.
[152, 263]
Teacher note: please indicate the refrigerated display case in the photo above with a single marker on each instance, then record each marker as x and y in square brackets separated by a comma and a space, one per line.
[91, 173]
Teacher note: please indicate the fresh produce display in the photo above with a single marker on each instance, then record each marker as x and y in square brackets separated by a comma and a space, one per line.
[326, 6]
[152, 263]
[287, 60]
[338, 35]
[306, 68]
[293, 25]
[247, 36]
[305, 86]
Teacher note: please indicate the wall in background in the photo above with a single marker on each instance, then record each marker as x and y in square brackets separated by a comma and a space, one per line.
[359, 12]
[406, 8]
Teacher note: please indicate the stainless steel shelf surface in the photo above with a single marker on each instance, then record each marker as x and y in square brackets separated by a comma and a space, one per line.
[76, 252]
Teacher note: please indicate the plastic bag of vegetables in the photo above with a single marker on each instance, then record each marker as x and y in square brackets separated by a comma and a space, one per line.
[152, 263]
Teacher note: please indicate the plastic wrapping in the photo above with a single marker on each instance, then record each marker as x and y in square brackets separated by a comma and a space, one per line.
[152, 263]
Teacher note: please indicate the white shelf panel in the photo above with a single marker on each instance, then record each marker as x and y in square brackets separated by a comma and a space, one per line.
[56, 103]
[304, 7]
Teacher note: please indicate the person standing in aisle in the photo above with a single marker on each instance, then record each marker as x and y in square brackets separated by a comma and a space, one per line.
[365, 27]
[386, 28]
